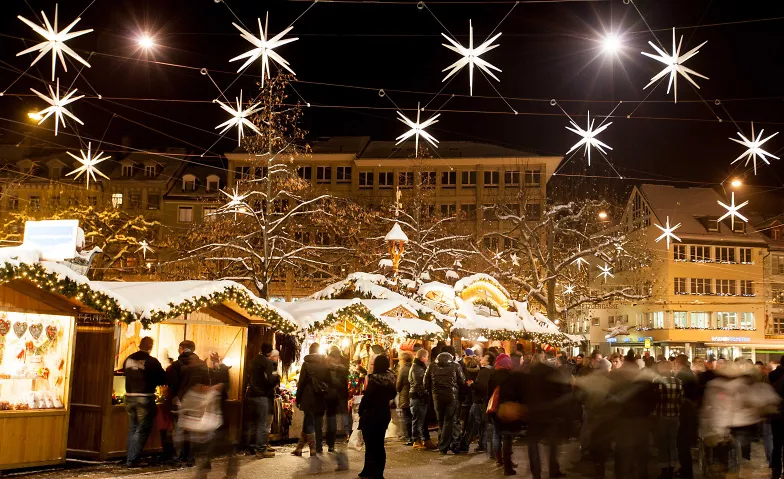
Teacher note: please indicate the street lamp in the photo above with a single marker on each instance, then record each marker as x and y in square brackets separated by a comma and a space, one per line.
[396, 239]
[611, 44]
[603, 215]
[736, 183]
[34, 115]
[146, 41]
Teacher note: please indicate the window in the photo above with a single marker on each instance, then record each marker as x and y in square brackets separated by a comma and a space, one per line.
[322, 238]
[135, 200]
[260, 172]
[533, 211]
[213, 183]
[406, 179]
[448, 209]
[492, 178]
[747, 321]
[725, 287]
[305, 172]
[509, 243]
[428, 179]
[511, 178]
[700, 254]
[778, 324]
[533, 178]
[657, 319]
[209, 212]
[343, 174]
[386, 179]
[185, 214]
[241, 173]
[34, 202]
[700, 319]
[323, 174]
[701, 286]
[489, 211]
[712, 224]
[302, 237]
[775, 234]
[468, 211]
[468, 179]
[280, 206]
[92, 200]
[56, 172]
[188, 183]
[127, 171]
[679, 319]
[728, 320]
[739, 227]
[150, 171]
[491, 242]
[448, 179]
[745, 255]
[55, 200]
[153, 202]
[746, 287]
[680, 286]
[725, 254]
[117, 200]
[778, 293]
[366, 179]
[679, 252]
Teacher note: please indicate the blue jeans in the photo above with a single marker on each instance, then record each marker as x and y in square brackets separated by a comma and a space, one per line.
[141, 413]
[476, 424]
[496, 437]
[767, 440]
[261, 411]
[348, 422]
[313, 422]
[419, 421]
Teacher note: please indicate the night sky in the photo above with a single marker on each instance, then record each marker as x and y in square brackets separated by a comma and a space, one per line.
[547, 51]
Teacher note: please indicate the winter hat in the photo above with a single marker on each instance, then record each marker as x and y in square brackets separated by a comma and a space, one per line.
[503, 361]
[469, 352]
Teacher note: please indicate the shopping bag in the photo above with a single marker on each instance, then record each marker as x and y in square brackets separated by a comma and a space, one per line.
[199, 411]
[356, 441]
[493, 403]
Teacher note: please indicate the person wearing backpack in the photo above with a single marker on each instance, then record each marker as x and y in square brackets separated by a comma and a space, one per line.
[312, 389]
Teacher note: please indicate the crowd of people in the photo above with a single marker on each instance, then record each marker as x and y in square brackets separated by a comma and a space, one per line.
[629, 410]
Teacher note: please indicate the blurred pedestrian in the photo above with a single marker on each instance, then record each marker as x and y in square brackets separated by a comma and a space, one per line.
[143, 373]
[337, 405]
[547, 396]
[593, 391]
[312, 389]
[667, 416]
[403, 387]
[443, 379]
[477, 417]
[776, 378]
[186, 373]
[687, 426]
[470, 364]
[502, 369]
[374, 417]
[261, 397]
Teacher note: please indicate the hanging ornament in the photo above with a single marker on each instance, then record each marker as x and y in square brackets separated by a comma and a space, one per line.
[674, 64]
[732, 211]
[54, 41]
[20, 327]
[667, 232]
[144, 247]
[57, 106]
[515, 259]
[588, 137]
[417, 130]
[236, 202]
[264, 49]
[36, 329]
[754, 146]
[470, 57]
[89, 164]
[5, 326]
[239, 118]
[606, 271]
[580, 260]
[51, 332]
[568, 289]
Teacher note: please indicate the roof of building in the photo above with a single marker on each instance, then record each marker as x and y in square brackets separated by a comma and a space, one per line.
[201, 168]
[446, 149]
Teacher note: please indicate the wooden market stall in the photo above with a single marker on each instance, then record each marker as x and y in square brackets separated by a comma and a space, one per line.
[213, 314]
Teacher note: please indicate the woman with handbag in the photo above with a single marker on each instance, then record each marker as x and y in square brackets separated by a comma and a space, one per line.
[374, 416]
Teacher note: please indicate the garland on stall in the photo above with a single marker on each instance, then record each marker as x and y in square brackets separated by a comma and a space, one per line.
[487, 304]
[359, 315]
[554, 339]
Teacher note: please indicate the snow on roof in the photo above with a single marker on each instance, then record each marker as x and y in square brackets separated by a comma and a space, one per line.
[411, 326]
[385, 263]
[396, 234]
[471, 316]
[444, 290]
[469, 280]
[307, 312]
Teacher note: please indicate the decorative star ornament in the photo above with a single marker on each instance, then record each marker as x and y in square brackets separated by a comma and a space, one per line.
[265, 49]
[667, 232]
[674, 64]
[470, 57]
[589, 137]
[606, 271]
[144, 247]
[515, 259]
[417, 129]
[236, 202]
[57, 106]
[239, 118]
[580, 260]
[732, 211]
[89, 164]
[54, 41]
[568, 289]
[754, 146]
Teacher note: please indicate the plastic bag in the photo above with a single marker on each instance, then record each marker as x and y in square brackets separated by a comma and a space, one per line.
[356, 441]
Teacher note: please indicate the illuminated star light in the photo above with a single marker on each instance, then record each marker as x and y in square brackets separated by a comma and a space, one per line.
[88, 164]
[754, 146]
[236, 202]
[589, 137]
[264, 49]
[57, 106]
[580, 260]
[569, 289]
[144, 247]
[515, 259]
[674, 64]
[605, 272]
[239, 118]
[667, 232]
[470, 57]
[55, 41]
[417, 129]
[732, 211]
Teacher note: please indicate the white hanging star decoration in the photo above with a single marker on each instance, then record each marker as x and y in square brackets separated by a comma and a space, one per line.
[580, 260]
[89, 164]
[568, 289]
[417, 129]
[754, 146]
[732, 211]
[236, 202]
[606, 272]
[515, 259]
[264, 49]
[144, 247]
[57, 106]
[239, 118]
[470, 57]
[589, 137]
[674, 64]
[667, 232]
[55, 41]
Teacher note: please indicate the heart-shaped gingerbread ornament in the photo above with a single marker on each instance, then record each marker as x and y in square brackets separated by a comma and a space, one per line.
[20, 328]
[5, 326]
[36, 329]
[51, 332]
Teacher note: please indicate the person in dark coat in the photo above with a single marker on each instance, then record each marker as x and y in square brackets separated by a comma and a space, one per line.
[404, 389]
[337, 403]
[688, 423]
[374, 417]
[312, 390]
[143, 373]
[444, 378]
[776, 378]
[477, 417]
[419, 398]
[218, 375]
[186, 372]
[264, 379]
[548, 396]
[470, 365]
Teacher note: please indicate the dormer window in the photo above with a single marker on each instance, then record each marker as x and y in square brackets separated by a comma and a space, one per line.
[150, 171]
[739, 227]
[711, 224]
[188, 183]
[127, 171]
[775, 233]
[213, 183]
[56, 172]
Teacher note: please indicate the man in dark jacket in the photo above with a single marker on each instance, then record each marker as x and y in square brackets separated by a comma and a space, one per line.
[477, 417]
[403, 387]
[143, 373]
[470, 366]
[776, 378]
[261, 396]
[443, 379]
[419, 397]
[186, 372]
[312, 389]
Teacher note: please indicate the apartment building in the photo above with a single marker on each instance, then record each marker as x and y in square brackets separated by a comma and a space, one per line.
[773, 267]
[707, 291]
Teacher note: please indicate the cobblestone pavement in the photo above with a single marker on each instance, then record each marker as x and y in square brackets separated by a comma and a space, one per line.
[402, 462]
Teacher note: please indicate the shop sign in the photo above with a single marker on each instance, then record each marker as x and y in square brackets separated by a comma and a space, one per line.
[612, 340]
[646, 339]
[731, 339]
[647, 343]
